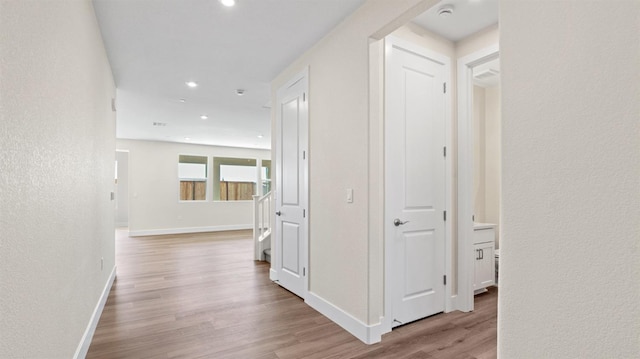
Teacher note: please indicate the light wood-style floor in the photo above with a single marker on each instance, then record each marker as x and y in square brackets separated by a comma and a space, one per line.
[203, 296]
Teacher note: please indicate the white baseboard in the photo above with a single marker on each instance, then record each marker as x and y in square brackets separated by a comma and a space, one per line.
[157, 232]
[85, 342]
[368, 334]
[273, 275]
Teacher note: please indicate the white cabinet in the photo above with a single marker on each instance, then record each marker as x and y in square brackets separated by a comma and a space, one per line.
[484, 236]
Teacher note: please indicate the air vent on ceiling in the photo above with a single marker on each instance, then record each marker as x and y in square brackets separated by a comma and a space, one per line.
[160, 124]
[486, 74]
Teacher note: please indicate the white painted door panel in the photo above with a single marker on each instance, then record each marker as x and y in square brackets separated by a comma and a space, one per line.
[290, 228]
[485, 270]
[415, 182]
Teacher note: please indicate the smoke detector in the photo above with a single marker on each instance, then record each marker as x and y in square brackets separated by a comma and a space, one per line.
[445, 11]
[239, 92]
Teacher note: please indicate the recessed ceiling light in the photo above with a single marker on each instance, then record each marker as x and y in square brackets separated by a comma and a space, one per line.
[187, 139]
[182, 100]
[192, 84]
[260, 136]
[239, 92]
[228, 3]
[204, 117]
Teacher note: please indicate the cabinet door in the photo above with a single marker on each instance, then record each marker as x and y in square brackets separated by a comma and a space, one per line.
[484, 265]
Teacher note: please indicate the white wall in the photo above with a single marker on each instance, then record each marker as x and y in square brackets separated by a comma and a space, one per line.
[57, 139]
[427, 39]
[480, 40]
[154, 205]
[570, 257]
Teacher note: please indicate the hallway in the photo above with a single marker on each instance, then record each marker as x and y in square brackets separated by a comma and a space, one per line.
[203, 296]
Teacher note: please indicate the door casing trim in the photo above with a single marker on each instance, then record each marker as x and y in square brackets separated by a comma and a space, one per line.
[464, 299]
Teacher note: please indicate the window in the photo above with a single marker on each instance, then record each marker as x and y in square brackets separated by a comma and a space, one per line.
[234, 179]
[192, 173]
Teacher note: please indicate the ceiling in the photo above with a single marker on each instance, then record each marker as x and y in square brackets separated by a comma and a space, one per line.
[156, 46]
[468, 17]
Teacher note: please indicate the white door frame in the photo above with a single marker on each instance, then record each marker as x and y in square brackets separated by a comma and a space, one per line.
[118, 191]
[387, 321]
[465, 172]
[304, 196]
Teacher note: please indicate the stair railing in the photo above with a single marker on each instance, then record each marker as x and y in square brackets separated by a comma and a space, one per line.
[261, 224]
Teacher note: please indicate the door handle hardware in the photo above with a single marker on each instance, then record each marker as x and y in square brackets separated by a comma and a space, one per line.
[278, 213]
[397, 222]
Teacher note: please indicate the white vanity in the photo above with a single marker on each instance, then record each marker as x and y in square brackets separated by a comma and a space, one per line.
[484, 236]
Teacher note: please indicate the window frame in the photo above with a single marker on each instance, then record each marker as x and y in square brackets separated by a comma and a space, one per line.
[181, 179]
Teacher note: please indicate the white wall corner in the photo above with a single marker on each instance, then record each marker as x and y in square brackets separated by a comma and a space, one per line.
[157, 232]
[85, 342]
[368, 334]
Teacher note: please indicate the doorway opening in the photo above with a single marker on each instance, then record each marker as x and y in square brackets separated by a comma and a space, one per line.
[479, 171]
[454, 40]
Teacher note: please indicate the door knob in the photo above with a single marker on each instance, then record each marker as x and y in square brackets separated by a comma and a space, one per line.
[397, 222]
[278, 213]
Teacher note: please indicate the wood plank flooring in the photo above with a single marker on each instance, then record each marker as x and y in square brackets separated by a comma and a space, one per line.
[203, 296]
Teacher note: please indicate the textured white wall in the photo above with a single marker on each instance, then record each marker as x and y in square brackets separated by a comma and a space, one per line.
[57, 139]
[154, 188]
[570, 258]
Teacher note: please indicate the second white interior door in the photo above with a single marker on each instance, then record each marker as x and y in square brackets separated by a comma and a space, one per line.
[415, 185]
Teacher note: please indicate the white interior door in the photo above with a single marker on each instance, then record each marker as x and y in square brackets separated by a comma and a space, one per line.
[415, 182]
[291, 185]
